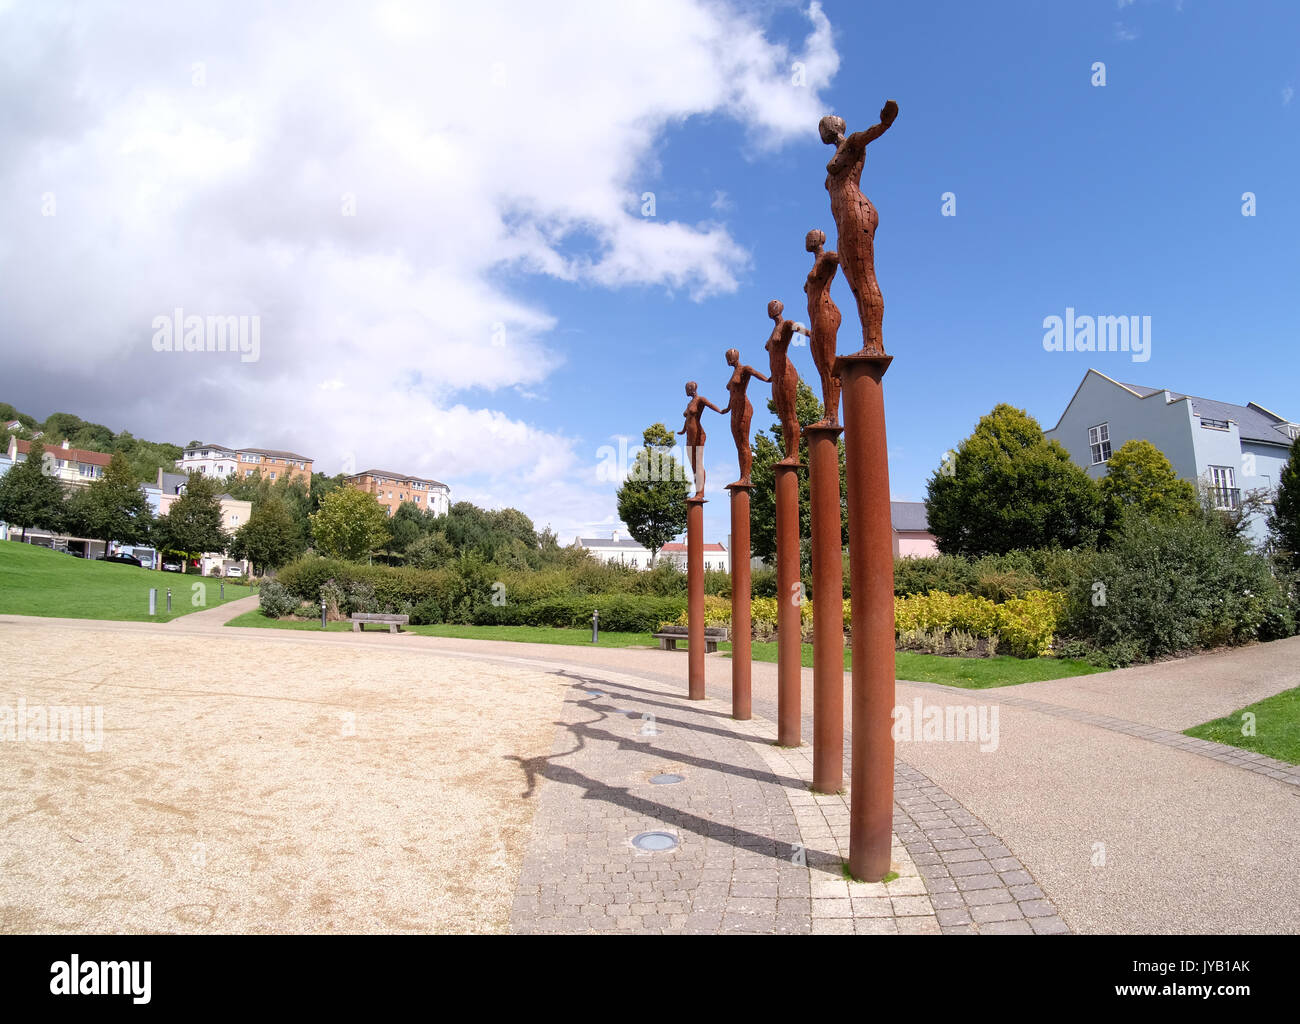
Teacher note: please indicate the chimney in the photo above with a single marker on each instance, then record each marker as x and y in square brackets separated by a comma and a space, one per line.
[65, 443]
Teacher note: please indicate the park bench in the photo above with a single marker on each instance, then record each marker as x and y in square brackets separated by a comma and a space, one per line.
[669, 635]
[360, 620]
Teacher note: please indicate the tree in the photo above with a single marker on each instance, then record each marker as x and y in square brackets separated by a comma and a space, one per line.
[113, 508]
[270, 538]
[192, 525]
[349, 524]
[1008, 488]
[1140, 480]
[31, 495]
[1284, 520]
[652, 500]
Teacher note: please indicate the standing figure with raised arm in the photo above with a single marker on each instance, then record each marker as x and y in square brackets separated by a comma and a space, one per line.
[742, 411]
[824, 320]
[695, 436]
[785, 378]
[856, 219]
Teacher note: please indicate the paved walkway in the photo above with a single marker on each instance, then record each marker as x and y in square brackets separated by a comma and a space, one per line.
[1089, 800]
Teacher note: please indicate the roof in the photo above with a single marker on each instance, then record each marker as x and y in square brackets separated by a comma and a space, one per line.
[171, 483]
[1254, 423]
[277, 453]
[608, 542]
[395, 476]
[70, 454]
[274, 452]
[909, 516]
[677, 547]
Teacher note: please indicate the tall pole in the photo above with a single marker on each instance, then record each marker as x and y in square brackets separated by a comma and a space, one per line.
[871, 571]
[695, 597]
[789, 632]
[828, 609]
[741, 629]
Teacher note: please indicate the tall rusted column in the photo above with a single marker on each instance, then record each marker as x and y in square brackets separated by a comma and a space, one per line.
[789, 639]
[695, 597]
[871, 574]
[828, 609]
[741, 629]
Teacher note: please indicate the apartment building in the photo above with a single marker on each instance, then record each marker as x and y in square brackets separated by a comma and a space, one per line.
[629, 552]
[236, 463]
[391, 489]
[234, 514]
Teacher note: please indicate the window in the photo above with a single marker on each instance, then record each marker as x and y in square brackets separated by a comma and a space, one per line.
[708, 565]
[1209, 424]
[1099, 442]
[1223, 487]
[272, 476]
[634, 563]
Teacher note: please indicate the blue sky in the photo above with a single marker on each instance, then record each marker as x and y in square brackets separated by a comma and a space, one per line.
[1122, 199]
[1117, 200]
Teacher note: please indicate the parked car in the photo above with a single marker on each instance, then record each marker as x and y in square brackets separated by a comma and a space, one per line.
[171, 566]
[123, 559]
[234, 570]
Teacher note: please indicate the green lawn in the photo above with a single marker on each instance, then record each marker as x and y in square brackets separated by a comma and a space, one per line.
[1276, 724]
[37, 581]
[969, 673]
[518, 634]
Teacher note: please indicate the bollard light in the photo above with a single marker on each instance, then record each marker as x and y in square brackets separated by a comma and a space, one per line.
[169, 600]
[223, 590]
[595, 626]
[153, 600]
[322, 613]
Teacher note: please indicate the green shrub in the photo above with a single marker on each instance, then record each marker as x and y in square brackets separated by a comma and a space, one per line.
[276, 601]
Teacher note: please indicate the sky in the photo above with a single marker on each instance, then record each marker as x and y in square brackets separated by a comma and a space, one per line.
[485, 242]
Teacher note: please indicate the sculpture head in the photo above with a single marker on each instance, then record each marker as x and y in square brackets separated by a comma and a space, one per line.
[733, 357]
[690, 388]
[814, 240]
[775, 308]
[831, 129]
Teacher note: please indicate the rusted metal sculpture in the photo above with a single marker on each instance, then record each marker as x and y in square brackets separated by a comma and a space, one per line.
[871, 561]
[856, 219]
[695, 436]
[785, 378]
[741, 628]
[824, 322]
[742, 411]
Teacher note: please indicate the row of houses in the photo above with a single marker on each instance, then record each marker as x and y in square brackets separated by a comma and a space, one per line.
[78, 467]
[390, 488]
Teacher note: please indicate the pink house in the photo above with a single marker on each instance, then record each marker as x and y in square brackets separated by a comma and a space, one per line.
[912, 536]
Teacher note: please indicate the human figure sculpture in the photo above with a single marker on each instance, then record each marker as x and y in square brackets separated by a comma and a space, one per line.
[856, 219]
[694, 431]
[742, 411]
[824, 320]
[785, 378]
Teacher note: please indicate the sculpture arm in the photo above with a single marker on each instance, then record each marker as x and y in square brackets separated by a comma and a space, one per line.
[860, 140]
[714, 407]
[754, 373]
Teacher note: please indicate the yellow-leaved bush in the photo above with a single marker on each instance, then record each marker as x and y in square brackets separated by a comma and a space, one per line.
[1025, 626]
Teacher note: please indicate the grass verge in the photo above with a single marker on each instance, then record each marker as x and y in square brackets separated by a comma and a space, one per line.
[1275, 723]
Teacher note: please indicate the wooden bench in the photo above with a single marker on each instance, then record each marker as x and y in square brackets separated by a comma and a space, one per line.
[713, 635]
[360, 619]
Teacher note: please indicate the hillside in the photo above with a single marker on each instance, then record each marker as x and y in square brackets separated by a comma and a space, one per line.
[145, 457]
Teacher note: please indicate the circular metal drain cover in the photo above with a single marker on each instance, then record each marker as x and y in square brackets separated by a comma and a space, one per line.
[667, 779]
[656, 842]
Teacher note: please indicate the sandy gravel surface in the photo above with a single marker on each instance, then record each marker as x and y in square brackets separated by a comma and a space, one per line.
[253, 781]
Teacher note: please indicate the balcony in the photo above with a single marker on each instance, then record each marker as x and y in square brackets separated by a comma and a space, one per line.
[1226, 497]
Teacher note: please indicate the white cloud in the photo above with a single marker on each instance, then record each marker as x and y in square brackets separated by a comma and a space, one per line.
[1124, 33]
[1287, 94]
[360, 179]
